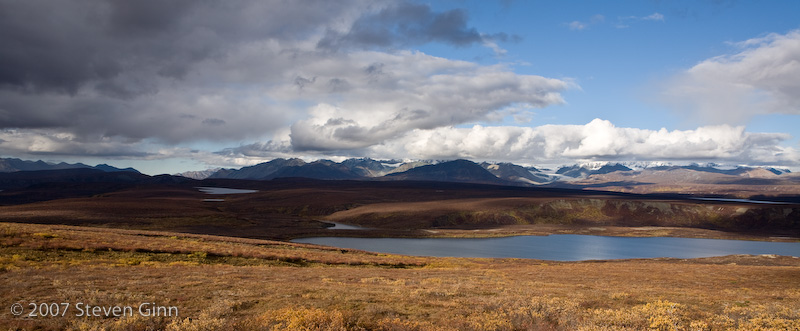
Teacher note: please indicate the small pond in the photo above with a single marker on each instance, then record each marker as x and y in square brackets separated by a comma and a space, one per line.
[223, 190]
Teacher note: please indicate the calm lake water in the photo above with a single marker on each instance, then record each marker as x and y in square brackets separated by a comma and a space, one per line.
[223, 190]
[564, 247]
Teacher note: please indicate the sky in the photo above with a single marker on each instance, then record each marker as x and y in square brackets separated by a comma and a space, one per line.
[185, 85]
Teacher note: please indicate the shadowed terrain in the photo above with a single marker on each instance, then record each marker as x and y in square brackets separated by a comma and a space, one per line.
[290, 208]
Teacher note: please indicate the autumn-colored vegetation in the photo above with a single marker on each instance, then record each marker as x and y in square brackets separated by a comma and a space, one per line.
[247, 284]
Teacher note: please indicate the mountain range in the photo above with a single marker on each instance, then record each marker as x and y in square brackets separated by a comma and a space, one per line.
[595, 174]
[14, 165]
[463, 170]
[365, 168]
[451, 171]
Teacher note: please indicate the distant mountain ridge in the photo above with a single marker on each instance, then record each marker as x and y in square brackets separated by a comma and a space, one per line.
[259, 171]
[198, 174]
[593, 173]
[368, 169]
[320, 169]
[451, 171]
[576, 171]
[586, 170]
[516, 173]
[14, 165]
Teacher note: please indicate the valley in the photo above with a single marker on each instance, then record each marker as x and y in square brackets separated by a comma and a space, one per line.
[218, 251]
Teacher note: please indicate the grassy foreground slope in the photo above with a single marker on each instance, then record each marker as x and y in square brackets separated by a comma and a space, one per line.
[220, 283]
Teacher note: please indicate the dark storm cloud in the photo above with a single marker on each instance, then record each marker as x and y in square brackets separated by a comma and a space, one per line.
[213, 121]
[146, 18]
[261, 149]
[131, 68]
[62, 46]
[405, 24]
[99, 76]
[502, 37]
[47, 47]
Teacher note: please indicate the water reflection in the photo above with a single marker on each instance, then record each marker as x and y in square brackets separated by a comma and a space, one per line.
[561, 247]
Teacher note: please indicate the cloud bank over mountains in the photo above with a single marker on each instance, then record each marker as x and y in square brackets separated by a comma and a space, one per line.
[597, 140]
[144, 79]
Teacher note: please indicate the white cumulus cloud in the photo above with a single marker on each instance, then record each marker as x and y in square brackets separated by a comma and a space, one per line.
[388, 95]
[596, 140]
[761, 78]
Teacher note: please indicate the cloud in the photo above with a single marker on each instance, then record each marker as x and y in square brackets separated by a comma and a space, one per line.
[624, 22]
[404, 24]
[404, 91]
[118, 47]
[579, 25]
[102, 69]
[554, 144]
[597, 140]
[653, 17]
[576, 25]
[58, 143]
[136, 79]
[759, 79]
[187, 71]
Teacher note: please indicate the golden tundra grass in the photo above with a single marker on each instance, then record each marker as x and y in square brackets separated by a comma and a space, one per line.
[221, 283]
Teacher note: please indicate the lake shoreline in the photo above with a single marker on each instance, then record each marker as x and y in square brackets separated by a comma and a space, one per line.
[549, 229]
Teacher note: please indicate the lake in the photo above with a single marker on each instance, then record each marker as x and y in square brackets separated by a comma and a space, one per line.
[223, 190]
[562, 247]
[340, 226]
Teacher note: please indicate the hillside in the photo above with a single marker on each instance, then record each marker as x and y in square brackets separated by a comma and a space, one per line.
[30, 186]
[291, 207]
